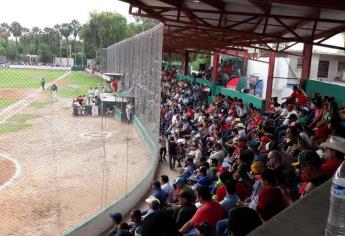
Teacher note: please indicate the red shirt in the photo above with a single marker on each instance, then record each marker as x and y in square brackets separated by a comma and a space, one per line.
[115, 86]
[270, 202]
[301, 99]
[329, 167]
[190, 113]
[209, 212]
[220, 193]
[241, 190]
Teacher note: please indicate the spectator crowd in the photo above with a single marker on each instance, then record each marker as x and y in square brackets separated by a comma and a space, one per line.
[238, 166]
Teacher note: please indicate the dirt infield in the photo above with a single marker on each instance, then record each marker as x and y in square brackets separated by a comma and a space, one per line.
[15, 94]
[7, 170]
[66, 178]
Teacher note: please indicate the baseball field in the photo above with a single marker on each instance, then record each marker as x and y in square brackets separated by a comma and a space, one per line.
[57, 170]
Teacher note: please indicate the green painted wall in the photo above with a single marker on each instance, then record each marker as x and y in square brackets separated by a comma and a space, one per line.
[326, 89]
[216, 89]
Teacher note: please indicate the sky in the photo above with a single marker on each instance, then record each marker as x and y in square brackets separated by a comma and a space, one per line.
[43, 13]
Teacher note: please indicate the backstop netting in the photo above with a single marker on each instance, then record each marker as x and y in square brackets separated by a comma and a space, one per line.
[139, 59]
[64, 157]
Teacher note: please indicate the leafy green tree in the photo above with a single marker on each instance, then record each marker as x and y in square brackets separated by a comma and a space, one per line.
[103, 30]
[5, 33]
[45, 56]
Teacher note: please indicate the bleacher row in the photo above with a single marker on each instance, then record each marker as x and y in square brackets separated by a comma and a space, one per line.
[237, 166]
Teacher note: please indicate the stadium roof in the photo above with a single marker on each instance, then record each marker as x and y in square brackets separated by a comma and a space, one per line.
[213, 24]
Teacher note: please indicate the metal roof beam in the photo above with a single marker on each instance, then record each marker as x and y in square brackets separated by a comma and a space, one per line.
[329, 4]
[145, 8]
[218, 4]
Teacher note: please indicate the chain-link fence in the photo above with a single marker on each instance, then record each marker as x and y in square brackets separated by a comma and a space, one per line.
[139, 60]
[63, 159]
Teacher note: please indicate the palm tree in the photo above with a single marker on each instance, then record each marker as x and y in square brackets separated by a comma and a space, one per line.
[49, 35]
[66, 30]
[57, 27]
[76, 29]
[6, 33]
[16, 30]
[36, 36]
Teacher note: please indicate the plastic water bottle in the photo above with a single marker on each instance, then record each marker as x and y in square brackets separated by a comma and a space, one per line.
[336, 217]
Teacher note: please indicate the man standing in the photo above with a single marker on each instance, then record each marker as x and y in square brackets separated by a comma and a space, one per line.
[162, 148]
[43, 83]
[172, 148]
[54, 90]
[114, 85]
[129, 111]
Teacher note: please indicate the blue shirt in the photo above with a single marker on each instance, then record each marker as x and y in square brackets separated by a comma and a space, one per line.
[188, 172]
[229, 202]
[203, 181]
[160, 195]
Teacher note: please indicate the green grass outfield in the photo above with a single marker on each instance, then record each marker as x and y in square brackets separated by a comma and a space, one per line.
[79, 82]
[17, 123]
[26, 78]
[6, 102]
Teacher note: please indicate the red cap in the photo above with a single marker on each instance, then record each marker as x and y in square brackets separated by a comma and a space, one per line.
[265, 139]
[290, 106]
[321, 132]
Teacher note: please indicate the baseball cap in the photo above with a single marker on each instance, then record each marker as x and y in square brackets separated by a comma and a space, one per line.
[264, 139]
[308, 157]
[257, 167]
[151, 199]
[321, 132]
[117, 217]
[305, 109]
[292, 116]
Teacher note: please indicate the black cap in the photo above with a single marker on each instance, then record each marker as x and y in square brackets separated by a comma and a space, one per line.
[117, 217]
[309, 157]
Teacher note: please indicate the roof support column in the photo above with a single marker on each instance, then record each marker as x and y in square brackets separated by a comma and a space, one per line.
[169, 57]
[186, 62]
[215, 65]
[306, 63]
[271, 63]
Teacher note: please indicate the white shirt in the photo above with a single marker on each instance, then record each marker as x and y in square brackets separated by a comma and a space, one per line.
[128, 108]
[169, 190]
[286, 121]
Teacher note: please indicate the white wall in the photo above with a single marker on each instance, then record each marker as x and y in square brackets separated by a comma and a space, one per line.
[63, 61]
[281, 70]
[314, 66]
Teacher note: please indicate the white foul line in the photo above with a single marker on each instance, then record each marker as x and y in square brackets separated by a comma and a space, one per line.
[16, 175]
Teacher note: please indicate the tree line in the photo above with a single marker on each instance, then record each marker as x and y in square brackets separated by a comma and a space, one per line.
[68, 39]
